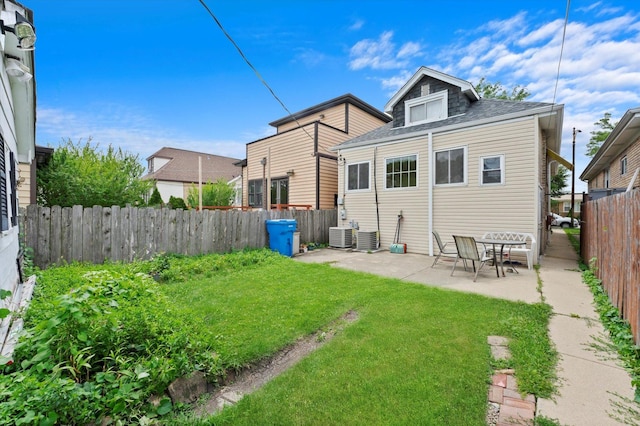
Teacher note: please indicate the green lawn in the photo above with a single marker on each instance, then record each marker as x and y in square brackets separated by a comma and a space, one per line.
[416, 355]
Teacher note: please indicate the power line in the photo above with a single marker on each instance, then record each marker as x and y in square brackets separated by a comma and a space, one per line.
[564, 34]
[252, 67]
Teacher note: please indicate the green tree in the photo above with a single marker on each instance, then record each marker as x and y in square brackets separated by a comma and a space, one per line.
[156, 198]
[218, 193]
[600, 135]
[559, 181]
[489, 90]
[82, 174]
[176, 203]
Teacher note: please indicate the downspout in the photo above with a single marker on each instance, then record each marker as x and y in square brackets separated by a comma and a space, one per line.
[375, 187]
[315, 154]
[430, 190]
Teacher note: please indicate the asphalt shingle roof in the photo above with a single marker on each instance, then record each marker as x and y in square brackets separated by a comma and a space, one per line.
[480, 110]
[183, 166]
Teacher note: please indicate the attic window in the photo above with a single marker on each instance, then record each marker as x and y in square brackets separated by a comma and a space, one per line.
[425, 90]
[426, 109]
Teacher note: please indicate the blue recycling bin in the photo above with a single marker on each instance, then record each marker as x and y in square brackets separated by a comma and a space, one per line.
[281, 235]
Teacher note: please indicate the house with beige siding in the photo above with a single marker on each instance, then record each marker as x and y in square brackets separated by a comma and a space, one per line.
[615, 165]
[294, 168]
[175, 170]
[452, 162]
[27, 172]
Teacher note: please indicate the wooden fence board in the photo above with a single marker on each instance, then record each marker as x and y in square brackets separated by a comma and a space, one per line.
[611, 235]
[96, 234]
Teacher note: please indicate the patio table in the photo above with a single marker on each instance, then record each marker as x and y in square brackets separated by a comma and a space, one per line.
[502, 243]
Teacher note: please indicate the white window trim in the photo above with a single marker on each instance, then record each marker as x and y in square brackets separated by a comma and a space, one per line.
[442, 95]
[623, 166]
[502, 170]
[346, 177]
[465, 173]
[417, 172]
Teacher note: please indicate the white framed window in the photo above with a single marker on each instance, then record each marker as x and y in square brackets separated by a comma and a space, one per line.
[451, 166]
[623, 165]
[426, 108]
[492, 170]
[401, 172]
[358, 176]
[606, 178]
[566, 206]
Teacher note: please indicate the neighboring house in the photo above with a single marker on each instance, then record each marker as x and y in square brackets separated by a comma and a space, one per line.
[614, 166]
[562, 205]
[27, 172]
[176, 170]
[294, 167]
[17, 128]
[451, 162]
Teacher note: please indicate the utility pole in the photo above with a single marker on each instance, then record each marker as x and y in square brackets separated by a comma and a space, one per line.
[573, 176]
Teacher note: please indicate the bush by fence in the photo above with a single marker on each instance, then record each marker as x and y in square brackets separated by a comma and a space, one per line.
[95, 234]
[611, 233]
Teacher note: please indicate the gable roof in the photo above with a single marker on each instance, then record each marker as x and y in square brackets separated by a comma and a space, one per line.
[466, 87]
[347, 98]
[626, 132]
[183, 166]
[481, 112]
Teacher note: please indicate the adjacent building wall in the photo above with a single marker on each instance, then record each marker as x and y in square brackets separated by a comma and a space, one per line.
[616, 178]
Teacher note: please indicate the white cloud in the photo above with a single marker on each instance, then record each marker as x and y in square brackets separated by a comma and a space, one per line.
[358, 24]
[117, 126]
[393, 84]
[381, 54]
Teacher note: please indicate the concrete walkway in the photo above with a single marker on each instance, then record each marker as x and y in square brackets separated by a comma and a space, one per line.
[592, 382]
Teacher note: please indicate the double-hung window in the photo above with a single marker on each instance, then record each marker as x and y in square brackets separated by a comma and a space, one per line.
[492, 170]
[402, 172]
[358, 176]
[623, 166]
[426, 108]
[450, 166]
[255, 193]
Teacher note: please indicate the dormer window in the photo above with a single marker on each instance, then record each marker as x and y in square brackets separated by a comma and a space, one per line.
[425, 109]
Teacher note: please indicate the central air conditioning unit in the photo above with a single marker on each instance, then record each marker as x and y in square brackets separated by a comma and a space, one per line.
[341, 237]
[367, 240]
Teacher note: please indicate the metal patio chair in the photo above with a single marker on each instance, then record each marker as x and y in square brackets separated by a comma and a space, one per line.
[444, 251]
[468, 250]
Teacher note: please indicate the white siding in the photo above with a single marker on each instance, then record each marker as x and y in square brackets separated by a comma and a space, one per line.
[168, 189]
[469, 209]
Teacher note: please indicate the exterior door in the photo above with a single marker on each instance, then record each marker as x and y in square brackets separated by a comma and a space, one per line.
[280, 191]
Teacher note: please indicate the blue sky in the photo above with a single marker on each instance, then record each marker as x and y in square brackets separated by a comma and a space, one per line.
[143, 74]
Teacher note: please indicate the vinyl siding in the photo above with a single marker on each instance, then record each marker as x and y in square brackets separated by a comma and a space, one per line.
[288, 151]
[24, 185]
[334, 117]
[328, 182]
[361, 122]
[468, 209]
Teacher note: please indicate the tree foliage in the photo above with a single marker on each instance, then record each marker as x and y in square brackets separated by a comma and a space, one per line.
[156, 198]
[559, 181]
[82, 174]
[490, 90]
[218, 193]
[598, 136]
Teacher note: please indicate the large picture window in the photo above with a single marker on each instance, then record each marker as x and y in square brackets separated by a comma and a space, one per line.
[426, 108]
[255, 193]
[358, 176]
[402, 172]
[450, 166]
[492, 170]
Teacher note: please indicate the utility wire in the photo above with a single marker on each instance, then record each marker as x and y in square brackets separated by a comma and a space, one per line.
[564, 34]
[252, 67]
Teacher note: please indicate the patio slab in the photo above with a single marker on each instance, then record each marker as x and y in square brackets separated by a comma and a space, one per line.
[416, 268]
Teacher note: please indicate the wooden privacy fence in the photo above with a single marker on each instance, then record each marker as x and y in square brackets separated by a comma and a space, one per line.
[95, 234]
[610, 233]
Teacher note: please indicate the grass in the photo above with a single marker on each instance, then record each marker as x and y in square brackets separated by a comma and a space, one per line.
[417, 354]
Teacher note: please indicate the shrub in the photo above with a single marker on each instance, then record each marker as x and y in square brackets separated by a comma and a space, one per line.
[176, 203]
[99, 353]
[156, 199]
